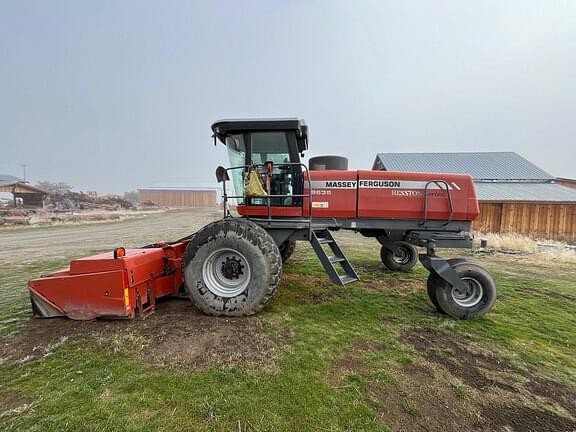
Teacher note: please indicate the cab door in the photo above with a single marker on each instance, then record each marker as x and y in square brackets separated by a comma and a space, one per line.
[286, 180]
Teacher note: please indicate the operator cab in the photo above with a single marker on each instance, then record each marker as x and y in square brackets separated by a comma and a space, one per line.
[254, 142]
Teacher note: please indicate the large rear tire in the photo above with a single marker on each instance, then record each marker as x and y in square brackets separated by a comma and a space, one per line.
[399, 256]
[232, 267]
[287, 249]
[473, 302]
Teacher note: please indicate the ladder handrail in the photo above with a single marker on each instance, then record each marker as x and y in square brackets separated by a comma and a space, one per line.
[448, 195]
[268, 197]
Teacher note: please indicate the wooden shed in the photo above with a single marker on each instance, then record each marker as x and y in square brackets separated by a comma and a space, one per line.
[515, 195]
[178, 196]
[23, 194]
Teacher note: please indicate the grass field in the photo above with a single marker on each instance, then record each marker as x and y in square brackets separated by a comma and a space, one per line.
[373, 355]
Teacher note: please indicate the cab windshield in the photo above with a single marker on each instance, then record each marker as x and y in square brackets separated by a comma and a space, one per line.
[265, 146]
[270, 146]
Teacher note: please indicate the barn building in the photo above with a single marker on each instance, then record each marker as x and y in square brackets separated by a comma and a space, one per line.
[514, 194]
[23, 194]
[178, 196]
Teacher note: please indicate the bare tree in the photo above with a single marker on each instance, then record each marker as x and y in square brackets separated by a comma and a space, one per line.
[53, 187]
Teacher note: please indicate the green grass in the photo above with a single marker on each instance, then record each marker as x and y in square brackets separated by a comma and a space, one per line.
[539, 329]
[410, 408]
[141, 398]
[460, 389]
[14, 300]
[85, 387]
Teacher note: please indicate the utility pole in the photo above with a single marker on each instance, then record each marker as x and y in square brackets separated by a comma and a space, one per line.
[24, 172]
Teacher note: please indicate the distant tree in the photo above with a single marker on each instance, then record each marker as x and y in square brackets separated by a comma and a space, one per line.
[53, 187]
[131, 196]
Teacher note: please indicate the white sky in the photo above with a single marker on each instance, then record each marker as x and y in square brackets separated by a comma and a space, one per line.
[111, 96]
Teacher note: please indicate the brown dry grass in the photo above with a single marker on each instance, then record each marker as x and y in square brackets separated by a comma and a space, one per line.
[547, 250]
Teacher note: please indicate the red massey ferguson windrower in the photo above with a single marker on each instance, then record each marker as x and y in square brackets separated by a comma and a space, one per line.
[233, 267]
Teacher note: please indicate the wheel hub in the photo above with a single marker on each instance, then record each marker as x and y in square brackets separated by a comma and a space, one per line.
[401, 255]
[226, 273]
[471, 295]
[232, 268]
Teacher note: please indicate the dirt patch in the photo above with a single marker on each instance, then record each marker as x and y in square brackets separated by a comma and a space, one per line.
[105, 394]
[394, 284]
[553, 391]
[524, 419]
[366, 346]
[440, 395]
[421, 399]
[176, 336]
[320, 289]
[13, 402]
[373, 268]
[467, 364]
[352, 362]
[489, 376]
[402, 288]
[184, 338]
[410, 397]
[391, 319]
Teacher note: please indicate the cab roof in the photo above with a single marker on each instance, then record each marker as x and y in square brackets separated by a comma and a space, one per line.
[221, 128]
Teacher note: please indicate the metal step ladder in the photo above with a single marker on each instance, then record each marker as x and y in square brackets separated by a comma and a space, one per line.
[320, 238]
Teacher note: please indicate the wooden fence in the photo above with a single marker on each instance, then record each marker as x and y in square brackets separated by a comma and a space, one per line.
[537, 220]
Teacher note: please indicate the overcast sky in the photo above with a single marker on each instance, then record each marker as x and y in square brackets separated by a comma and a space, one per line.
[115, 95]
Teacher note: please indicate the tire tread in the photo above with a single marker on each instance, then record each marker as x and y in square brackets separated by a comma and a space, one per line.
[255, 234]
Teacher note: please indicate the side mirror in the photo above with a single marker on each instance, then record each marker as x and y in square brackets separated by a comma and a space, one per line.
[221, 174]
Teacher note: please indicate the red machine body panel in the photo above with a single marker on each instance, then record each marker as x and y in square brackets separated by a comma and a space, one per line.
[104, 286]
[262, 211]
[83, 296]
[401, 195]
[381, 194]
[334, 194]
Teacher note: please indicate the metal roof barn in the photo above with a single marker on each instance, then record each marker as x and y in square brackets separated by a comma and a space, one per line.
[525, 192]
[6, 178]
[482, 166]
[514, 194]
